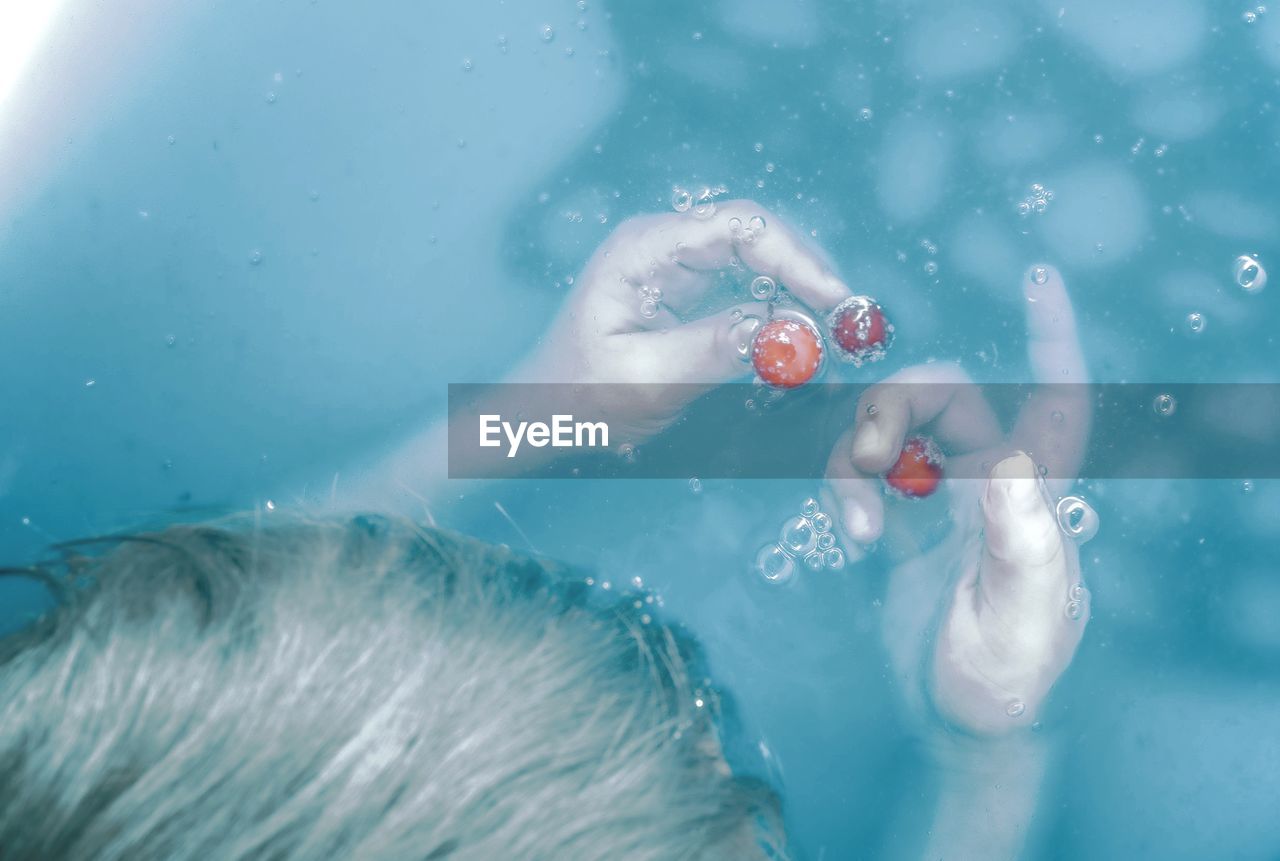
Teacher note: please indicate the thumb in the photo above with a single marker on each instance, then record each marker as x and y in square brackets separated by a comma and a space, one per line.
[1026, 566]
[707, 351]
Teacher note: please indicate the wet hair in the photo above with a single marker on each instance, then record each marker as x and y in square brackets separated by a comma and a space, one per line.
[360, 688]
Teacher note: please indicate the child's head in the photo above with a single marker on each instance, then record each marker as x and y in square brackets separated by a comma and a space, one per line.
[362, 689]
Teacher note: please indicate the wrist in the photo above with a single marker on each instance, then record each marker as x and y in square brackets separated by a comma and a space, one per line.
[987, 793]
[961, 756]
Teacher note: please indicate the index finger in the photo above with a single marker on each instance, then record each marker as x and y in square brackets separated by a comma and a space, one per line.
[1053, 425]
[768, 246]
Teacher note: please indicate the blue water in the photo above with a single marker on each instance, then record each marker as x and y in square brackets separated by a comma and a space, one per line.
[269, 235]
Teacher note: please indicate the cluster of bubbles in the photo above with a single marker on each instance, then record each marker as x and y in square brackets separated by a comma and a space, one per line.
[642, 598]
[806, 537]
[747, 233]
[1164, 405]
[742, 328]
[764, 398]
[702, 202]
[1251, 15]
[1037, 201]
[1249, 274]
[1078, 597]
[930, 266]
[650, 297]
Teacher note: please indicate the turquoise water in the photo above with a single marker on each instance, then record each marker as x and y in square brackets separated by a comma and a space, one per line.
[239, 245]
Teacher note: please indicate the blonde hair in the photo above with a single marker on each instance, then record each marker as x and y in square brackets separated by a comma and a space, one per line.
[356, 689]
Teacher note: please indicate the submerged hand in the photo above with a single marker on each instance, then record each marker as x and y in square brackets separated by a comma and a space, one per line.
[654, 306]
[995, 593]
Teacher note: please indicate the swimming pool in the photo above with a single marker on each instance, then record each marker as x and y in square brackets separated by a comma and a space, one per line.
[242, 246]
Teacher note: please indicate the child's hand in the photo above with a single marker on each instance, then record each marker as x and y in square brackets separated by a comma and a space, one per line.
[997, 590]
[684, 334]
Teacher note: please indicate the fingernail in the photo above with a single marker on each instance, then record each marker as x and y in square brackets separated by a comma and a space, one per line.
[866, 441]
[1019, 480]
[856, 522]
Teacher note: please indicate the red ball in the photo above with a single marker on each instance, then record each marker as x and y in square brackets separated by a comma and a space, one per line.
[786, 353]
[918, 471]
[860, 330]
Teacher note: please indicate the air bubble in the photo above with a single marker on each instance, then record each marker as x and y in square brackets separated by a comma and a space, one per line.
[821, 522]
[826, 541]
[931, 268]
[1039, 275]
[1037, 201]
[756, 223]
[547, 32]
[467, 65]
[1057, 417]
[813, 561]
[704, 203]
[695, 485]
[1016, 709]
[735, 225]
[1249, 274]
[872, 409]
[1077, 519]
[648, 308]
[627, 452]
[809, 508]
[1077, 592]
[1164, 405]
[681, 199]
[774, 565]
[797, 536]
[1195, 323]
[865, 114]
[170, 340]
[764, 287]
[1249, 16]
[255, 257]
[834, 558]
[1074, 610]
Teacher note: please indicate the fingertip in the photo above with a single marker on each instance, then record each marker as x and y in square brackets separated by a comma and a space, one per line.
[873, 450]
[1012, 484]
[1017, 513]
[860, 523]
